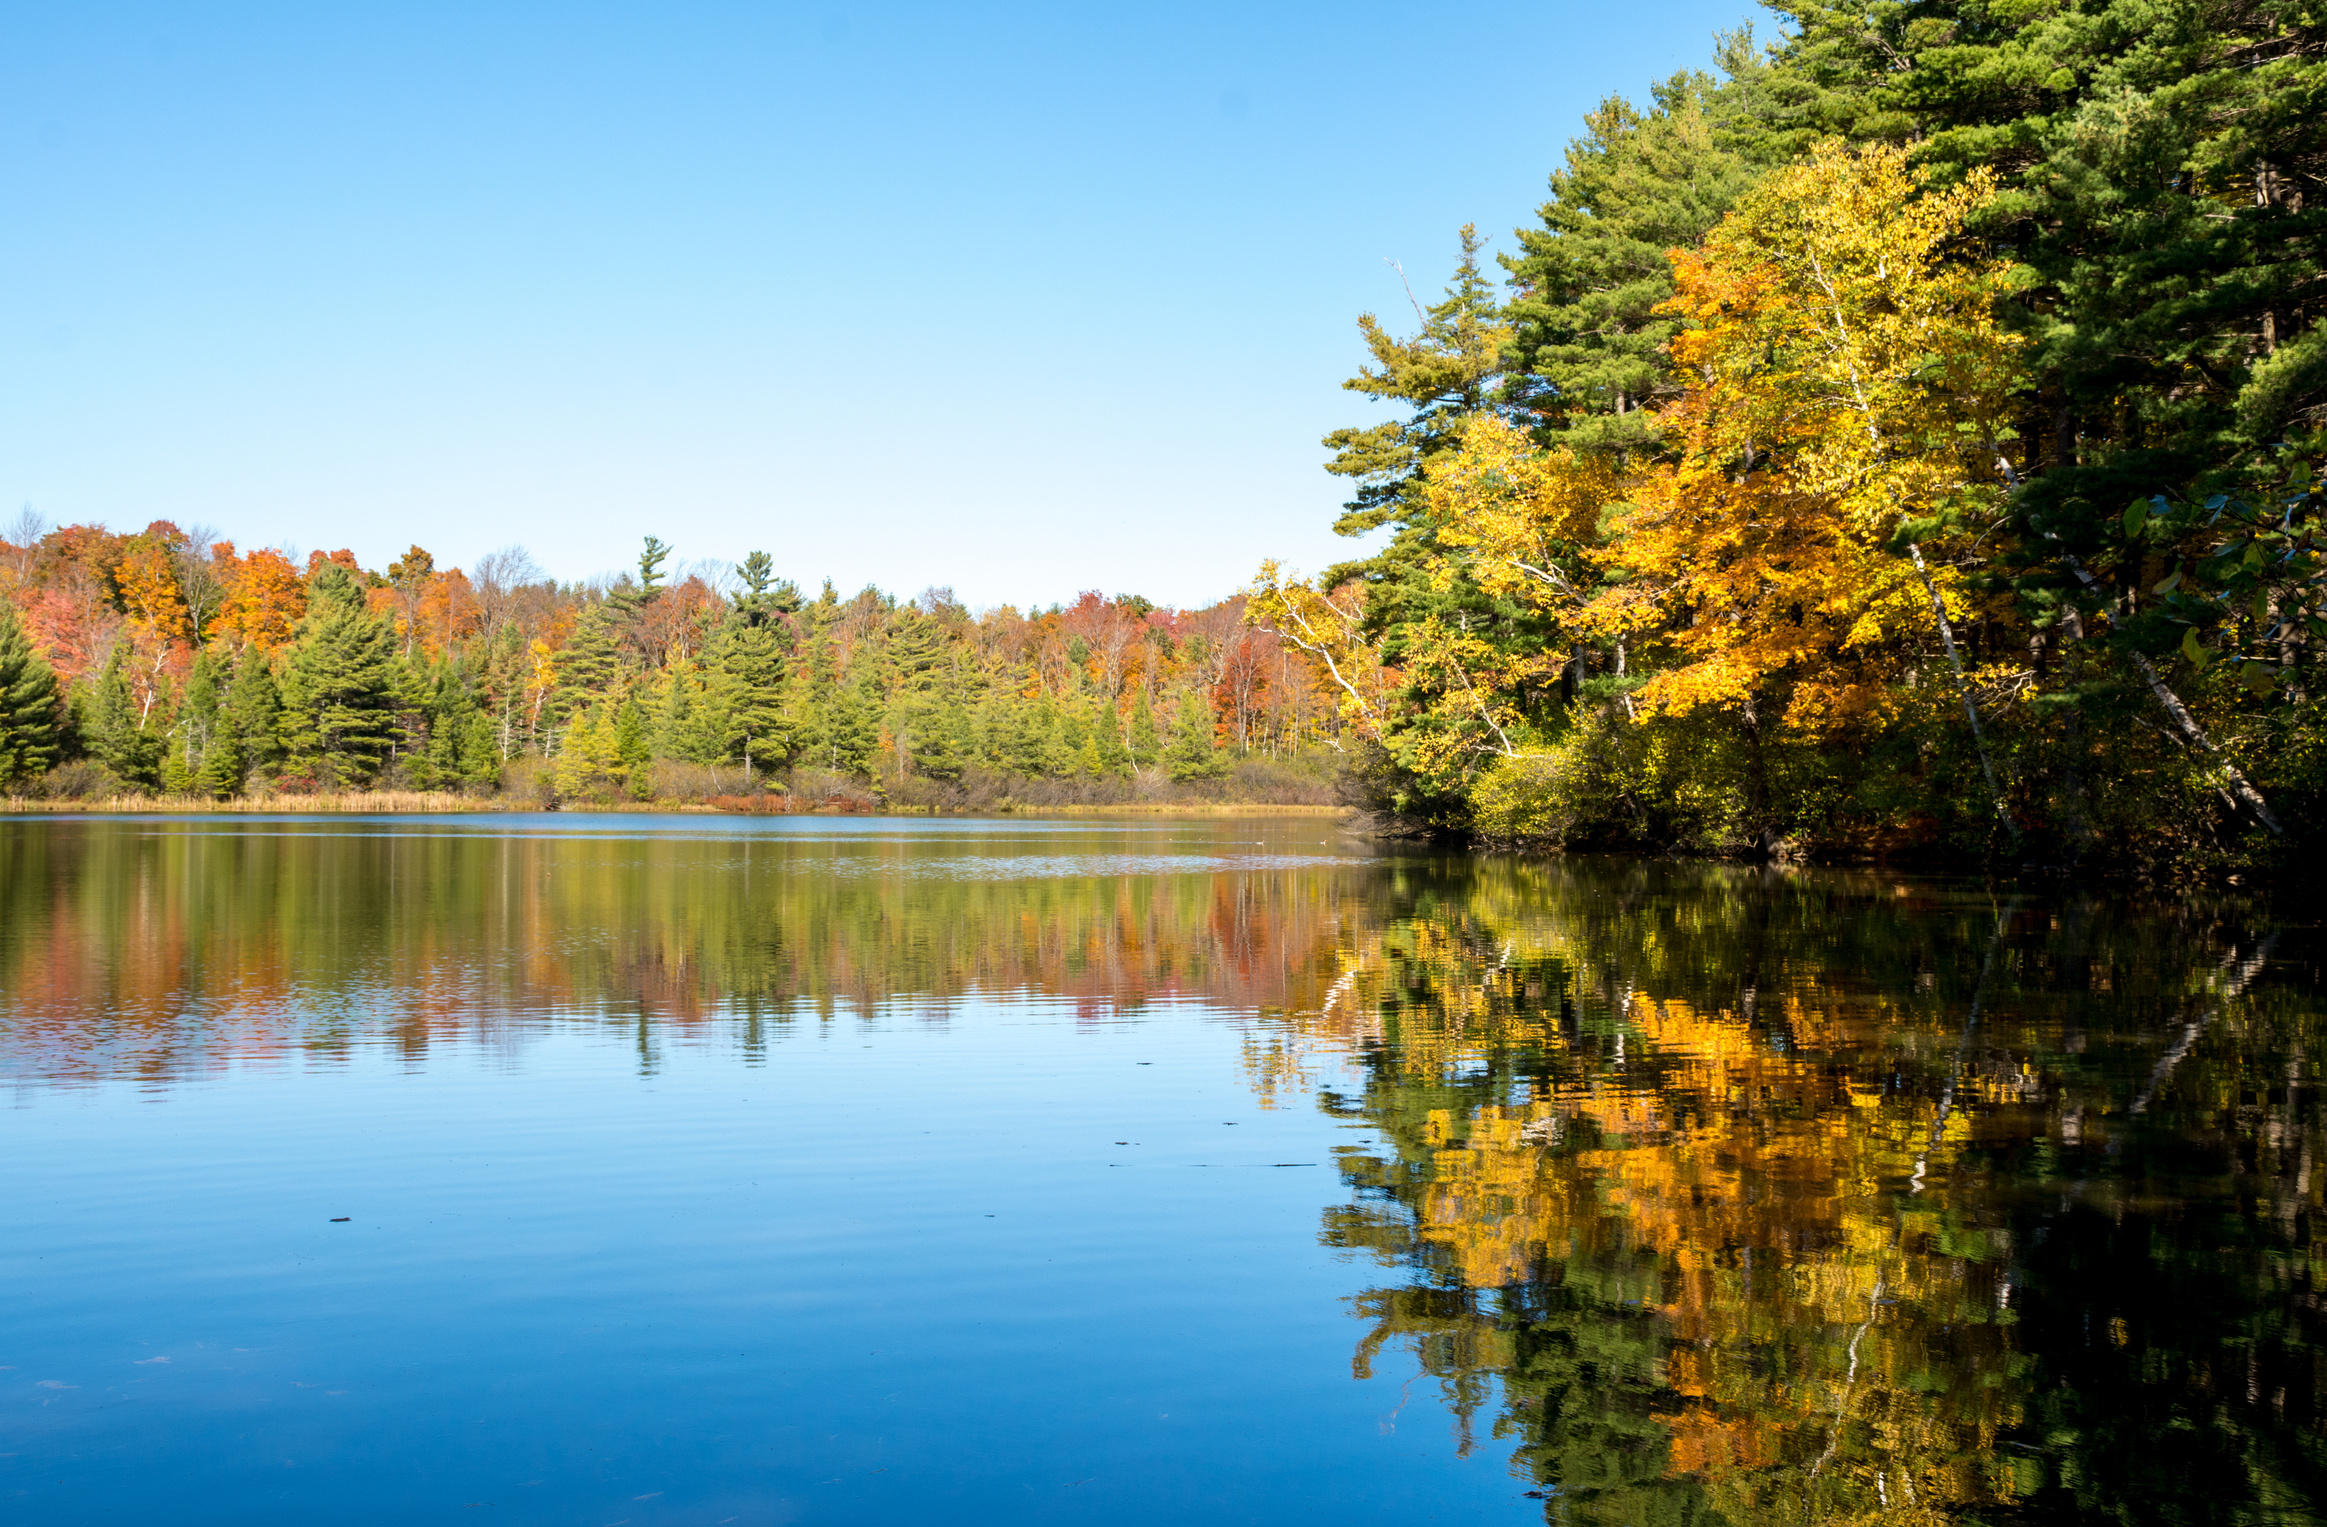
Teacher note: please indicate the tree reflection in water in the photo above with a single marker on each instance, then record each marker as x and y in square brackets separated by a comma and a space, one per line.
[1713, 1195]
[1725, 1196]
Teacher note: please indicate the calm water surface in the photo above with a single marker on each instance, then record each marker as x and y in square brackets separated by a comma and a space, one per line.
[645, 1170]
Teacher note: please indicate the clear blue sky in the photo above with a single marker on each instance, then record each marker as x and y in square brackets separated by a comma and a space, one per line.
[1020, 299]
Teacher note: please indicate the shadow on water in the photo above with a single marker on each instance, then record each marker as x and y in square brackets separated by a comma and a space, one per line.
[1708, 1195]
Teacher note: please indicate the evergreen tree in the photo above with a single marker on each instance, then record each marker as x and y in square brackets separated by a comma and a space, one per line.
[941, 738]
[589, 666]
[1107, 741]
[916, 650]
[249, 726]
[1586, 328]
[1194, 751]
[177, 770]
[1062, 755]
[634, 597]
[339, 701]
[1443, 375]
[632, 748]
[765, 596]
[461, 751]
[115, 728]
[1145, 746]
[480, 752]
[747, 665]
[589, 762]
[852, 727]
[31, 715]
[189, 737]
[505, 664]
[217, 775]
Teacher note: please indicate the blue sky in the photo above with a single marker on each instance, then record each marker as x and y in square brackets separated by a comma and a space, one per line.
[1023, 299]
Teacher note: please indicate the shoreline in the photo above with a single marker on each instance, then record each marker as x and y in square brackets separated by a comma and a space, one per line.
[431, 803]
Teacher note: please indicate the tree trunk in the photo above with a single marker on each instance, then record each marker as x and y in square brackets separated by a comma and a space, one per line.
[2240, 786]
[1971, 711]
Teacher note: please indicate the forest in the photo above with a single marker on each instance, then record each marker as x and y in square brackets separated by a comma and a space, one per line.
[1903, 438]
[170, 662]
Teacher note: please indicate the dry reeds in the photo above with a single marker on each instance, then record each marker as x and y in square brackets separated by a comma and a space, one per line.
[368, 802]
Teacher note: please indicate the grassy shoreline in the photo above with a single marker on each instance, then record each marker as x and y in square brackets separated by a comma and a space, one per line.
[435, 803]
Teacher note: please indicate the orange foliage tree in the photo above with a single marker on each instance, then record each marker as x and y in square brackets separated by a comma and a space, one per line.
[1845, 390]
[265, 597]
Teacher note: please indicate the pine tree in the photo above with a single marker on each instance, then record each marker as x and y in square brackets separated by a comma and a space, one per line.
[31, 714]
[460, 750]
[589, 666]
[938, 734]
[691, 722]
[747, 667]
[632, 749]
[852, 727]
[480, 752]
[1587, 330]
[505, 666]
[1146, 745]
[338, 719]
[589, 763]
[1194, 752]
[115, 728]
[218, 775]
[1063, 755]
[1107, 740]
[190, 738]
[177, 771]
[249, 726]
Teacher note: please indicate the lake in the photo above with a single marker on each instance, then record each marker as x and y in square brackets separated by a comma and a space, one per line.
[654, 1169]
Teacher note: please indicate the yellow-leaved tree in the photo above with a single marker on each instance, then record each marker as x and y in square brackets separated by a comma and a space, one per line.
[1792, 540]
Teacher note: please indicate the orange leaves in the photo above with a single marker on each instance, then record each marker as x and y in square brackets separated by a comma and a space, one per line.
[148, 586]
[1846, 385]
[1848, 382]
[265, 597]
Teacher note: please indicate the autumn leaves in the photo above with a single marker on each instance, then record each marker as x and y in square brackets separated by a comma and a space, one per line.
[1843, 401]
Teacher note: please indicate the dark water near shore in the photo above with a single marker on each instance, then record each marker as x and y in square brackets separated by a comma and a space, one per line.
[797, 1170]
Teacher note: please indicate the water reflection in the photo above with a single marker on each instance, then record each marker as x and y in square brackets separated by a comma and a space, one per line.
[1705, 1195]
[162, 949]
[1727, 1197]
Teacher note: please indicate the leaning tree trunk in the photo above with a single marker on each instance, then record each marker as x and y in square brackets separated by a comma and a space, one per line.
[1971, 711]
[2239, 788]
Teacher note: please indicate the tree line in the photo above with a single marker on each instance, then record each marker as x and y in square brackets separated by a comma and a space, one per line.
[170, 661]
[1902, 437]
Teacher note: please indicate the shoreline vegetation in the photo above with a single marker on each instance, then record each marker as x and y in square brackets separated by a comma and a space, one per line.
[437, 803]
[1903, 441]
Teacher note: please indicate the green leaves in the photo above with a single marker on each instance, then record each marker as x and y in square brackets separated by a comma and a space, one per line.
[30, 715]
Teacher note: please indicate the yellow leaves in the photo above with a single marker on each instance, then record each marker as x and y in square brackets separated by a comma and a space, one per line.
[149, 592]
[1530, 513]
[1328, 625]
[1846, 377]
[542, 665]
[1843, 340]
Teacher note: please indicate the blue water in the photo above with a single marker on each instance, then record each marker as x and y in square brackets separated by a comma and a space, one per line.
[1022, 1259]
